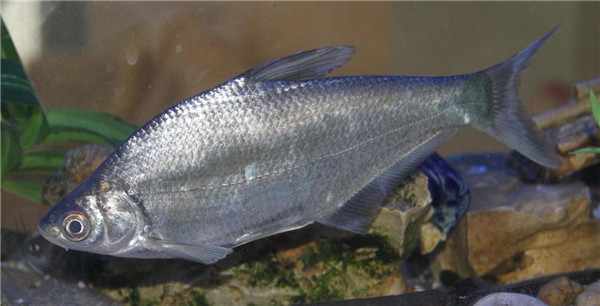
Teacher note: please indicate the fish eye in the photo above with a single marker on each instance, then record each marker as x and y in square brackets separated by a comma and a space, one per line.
[76, 226]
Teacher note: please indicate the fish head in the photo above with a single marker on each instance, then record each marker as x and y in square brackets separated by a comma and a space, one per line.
[98, 216]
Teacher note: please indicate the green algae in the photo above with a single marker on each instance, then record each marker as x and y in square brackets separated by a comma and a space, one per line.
[265, 271]
[325, 287]
[197, 298]
[332, 270]
[316, 270]
[132, 296]
[189, 297]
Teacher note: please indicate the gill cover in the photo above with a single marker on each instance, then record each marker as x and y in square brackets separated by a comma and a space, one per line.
[97, 216]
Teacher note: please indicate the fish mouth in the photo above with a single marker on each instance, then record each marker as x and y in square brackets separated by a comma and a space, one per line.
[48, 236]
[48, 229]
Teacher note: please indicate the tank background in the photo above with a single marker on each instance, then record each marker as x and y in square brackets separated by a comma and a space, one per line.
[134, 59]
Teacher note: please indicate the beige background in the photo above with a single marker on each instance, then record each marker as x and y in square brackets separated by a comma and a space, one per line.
[135, 59]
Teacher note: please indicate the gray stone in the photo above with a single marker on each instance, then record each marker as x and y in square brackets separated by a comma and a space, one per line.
[590, 295]
[23, 288]
[509, 299]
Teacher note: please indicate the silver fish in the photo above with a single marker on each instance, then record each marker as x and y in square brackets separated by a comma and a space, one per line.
[280, 147]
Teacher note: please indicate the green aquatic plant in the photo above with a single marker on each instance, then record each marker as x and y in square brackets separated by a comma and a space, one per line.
[197, 298]
[261, 272]
[596, 112]
[26, 129]
[329, 270]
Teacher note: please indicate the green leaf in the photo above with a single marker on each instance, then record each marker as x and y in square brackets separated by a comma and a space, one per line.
[110, 128]
[596, 112]
[43, 161]
[595, 106]
[15, 84]
[20, 105]
[7, 46]
[58, 135]
[29, 122]
[11, 150]
[14, 68]
[35, 130]
[586, 150]
[30, 190]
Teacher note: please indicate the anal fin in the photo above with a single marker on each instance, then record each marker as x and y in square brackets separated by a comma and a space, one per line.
[358, 213]
[281, 226]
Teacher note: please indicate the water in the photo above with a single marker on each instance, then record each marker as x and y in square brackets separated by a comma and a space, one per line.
[133, 60]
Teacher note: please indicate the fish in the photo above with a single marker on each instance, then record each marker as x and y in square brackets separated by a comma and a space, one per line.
[279, 147]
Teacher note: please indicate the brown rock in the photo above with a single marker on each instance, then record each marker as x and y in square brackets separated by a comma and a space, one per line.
[531, 217]
[517, 231]
[401, 218]
[580, 90]
[451, 256]
[560, 291]
[430, 237]
[79, 164]
[573, 248]
[292, 255]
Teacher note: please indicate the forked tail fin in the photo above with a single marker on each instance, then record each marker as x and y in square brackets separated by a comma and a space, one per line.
[509, 123]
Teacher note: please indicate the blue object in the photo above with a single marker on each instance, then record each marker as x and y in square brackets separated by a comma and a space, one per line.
[449, 192]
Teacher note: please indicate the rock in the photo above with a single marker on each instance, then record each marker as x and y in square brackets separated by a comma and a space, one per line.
[509, 299]
[295, 267]
[401, 217]
[581, 89]
[422, 298]
[577, 248]
[450, 200]
[22, 288]
[452, 256]
[516, 231]
[79, 164]
[590, 296]
[3, 300]
[560, 291]
[430, 237]
[469, 290]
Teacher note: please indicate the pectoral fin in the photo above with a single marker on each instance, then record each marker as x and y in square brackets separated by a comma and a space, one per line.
[206, 254]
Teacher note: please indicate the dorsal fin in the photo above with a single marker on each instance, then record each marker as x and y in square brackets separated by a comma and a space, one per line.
[303, 65]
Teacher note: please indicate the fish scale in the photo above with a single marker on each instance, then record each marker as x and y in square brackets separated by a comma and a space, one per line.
[280, 147]
[304, 157]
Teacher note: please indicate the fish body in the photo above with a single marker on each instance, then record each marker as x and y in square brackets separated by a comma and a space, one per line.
[280, 147]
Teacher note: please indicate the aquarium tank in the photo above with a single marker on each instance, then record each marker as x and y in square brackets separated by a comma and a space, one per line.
[278, 153]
